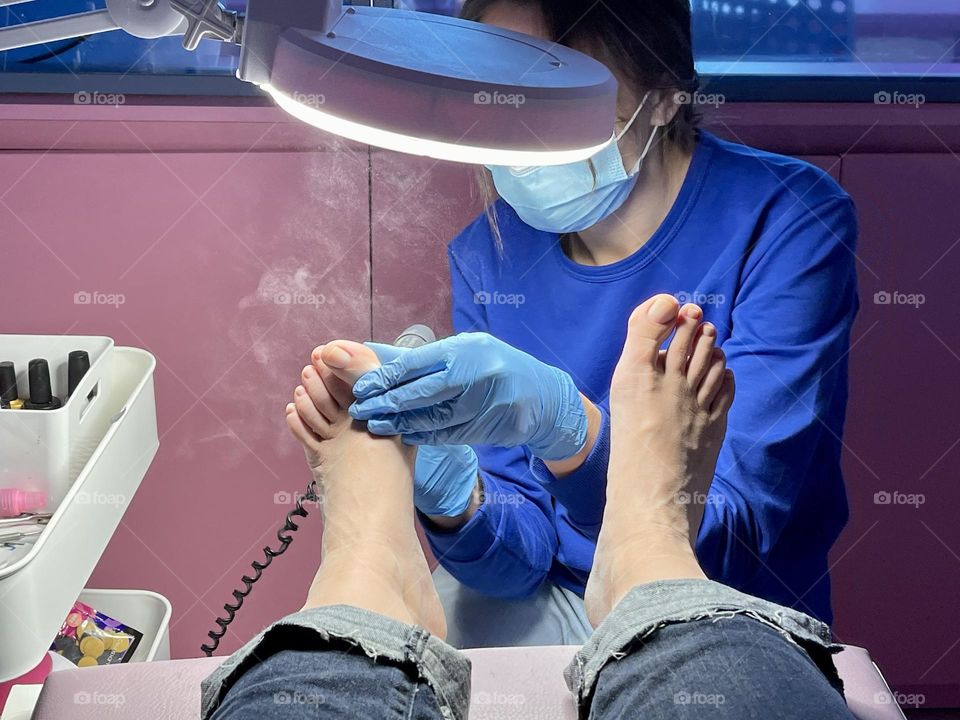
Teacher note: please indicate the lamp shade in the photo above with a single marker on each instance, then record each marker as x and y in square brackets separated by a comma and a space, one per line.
[432, 85]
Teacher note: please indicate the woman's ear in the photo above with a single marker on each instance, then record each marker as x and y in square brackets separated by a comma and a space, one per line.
[667, 106]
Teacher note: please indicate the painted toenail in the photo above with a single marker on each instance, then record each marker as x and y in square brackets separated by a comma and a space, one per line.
[337, 358]
[662, 311]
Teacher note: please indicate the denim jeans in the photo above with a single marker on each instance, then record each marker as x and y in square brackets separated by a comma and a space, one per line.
[674, 649]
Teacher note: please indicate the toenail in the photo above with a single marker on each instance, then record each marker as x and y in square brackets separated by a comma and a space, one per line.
[709, 329]
[337, 357]
[299, 390]
[662, 311]
[307, 372]
[692, 311]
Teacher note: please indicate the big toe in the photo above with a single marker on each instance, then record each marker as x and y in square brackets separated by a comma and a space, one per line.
[650, 324]
[349, 360]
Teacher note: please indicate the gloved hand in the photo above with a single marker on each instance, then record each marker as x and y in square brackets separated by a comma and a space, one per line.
[445, 475]
[473, 389]
[444, 478]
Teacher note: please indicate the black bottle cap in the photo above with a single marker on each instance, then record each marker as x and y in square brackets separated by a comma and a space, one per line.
[41, 393]
[78, 362]
[8, 382]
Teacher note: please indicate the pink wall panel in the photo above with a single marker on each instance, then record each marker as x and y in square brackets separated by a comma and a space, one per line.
[419, 204]
[232, 268]
[897, 566]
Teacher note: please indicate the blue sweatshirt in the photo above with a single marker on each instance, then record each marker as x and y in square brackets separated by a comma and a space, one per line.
[765, 244]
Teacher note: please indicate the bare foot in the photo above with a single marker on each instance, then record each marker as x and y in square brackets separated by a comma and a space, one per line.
[371, 556]
[668, 415]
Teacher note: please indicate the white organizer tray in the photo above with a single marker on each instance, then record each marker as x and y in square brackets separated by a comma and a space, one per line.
[38, 590]
[46, 449]
[143, 610]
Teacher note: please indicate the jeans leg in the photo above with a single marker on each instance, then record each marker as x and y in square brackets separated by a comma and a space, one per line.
[335, 682]
[340, 661]
[718, 669]
[684, 649]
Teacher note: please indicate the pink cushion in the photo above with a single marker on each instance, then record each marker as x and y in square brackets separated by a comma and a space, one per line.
[523, 683]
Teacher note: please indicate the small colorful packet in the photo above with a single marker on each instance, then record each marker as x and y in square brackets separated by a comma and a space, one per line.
[89, 638]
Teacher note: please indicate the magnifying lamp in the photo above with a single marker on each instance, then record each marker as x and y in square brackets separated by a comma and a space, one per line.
[407, 81]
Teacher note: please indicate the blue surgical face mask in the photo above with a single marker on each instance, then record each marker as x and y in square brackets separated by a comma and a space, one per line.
[573, 197]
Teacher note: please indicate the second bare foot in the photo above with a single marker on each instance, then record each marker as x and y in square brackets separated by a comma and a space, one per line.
[668, 419]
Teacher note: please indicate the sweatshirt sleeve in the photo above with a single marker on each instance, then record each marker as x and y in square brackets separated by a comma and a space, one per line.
[582, 492]
[788, 345]
[507, 548]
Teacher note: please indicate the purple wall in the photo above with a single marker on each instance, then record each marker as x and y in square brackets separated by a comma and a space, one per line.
[208, 219]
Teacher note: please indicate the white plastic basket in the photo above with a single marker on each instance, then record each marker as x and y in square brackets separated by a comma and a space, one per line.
[46, 449]
[143, 610]
[38, 590]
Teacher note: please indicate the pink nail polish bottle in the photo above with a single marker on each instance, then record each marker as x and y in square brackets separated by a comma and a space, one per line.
[13, 501]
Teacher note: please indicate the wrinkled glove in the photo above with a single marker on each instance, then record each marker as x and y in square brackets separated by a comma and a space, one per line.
[472, 389]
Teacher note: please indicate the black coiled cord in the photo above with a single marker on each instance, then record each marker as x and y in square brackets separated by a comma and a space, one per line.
[285, 538]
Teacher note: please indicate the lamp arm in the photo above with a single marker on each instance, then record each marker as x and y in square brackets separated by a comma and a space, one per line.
[43, 32]
[194, 19]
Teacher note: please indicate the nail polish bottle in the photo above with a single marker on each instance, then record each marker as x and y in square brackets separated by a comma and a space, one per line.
[8, 384]
[41, 393]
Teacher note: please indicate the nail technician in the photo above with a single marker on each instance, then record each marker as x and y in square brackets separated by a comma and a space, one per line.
[512, 413]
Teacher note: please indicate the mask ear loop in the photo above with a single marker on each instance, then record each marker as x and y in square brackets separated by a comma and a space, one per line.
[633, 118]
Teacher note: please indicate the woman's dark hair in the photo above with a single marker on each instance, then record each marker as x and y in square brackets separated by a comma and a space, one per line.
[647, 42]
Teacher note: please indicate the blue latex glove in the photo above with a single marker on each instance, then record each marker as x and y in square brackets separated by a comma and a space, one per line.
[444, 478]
[445, 475]
[473, 389]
